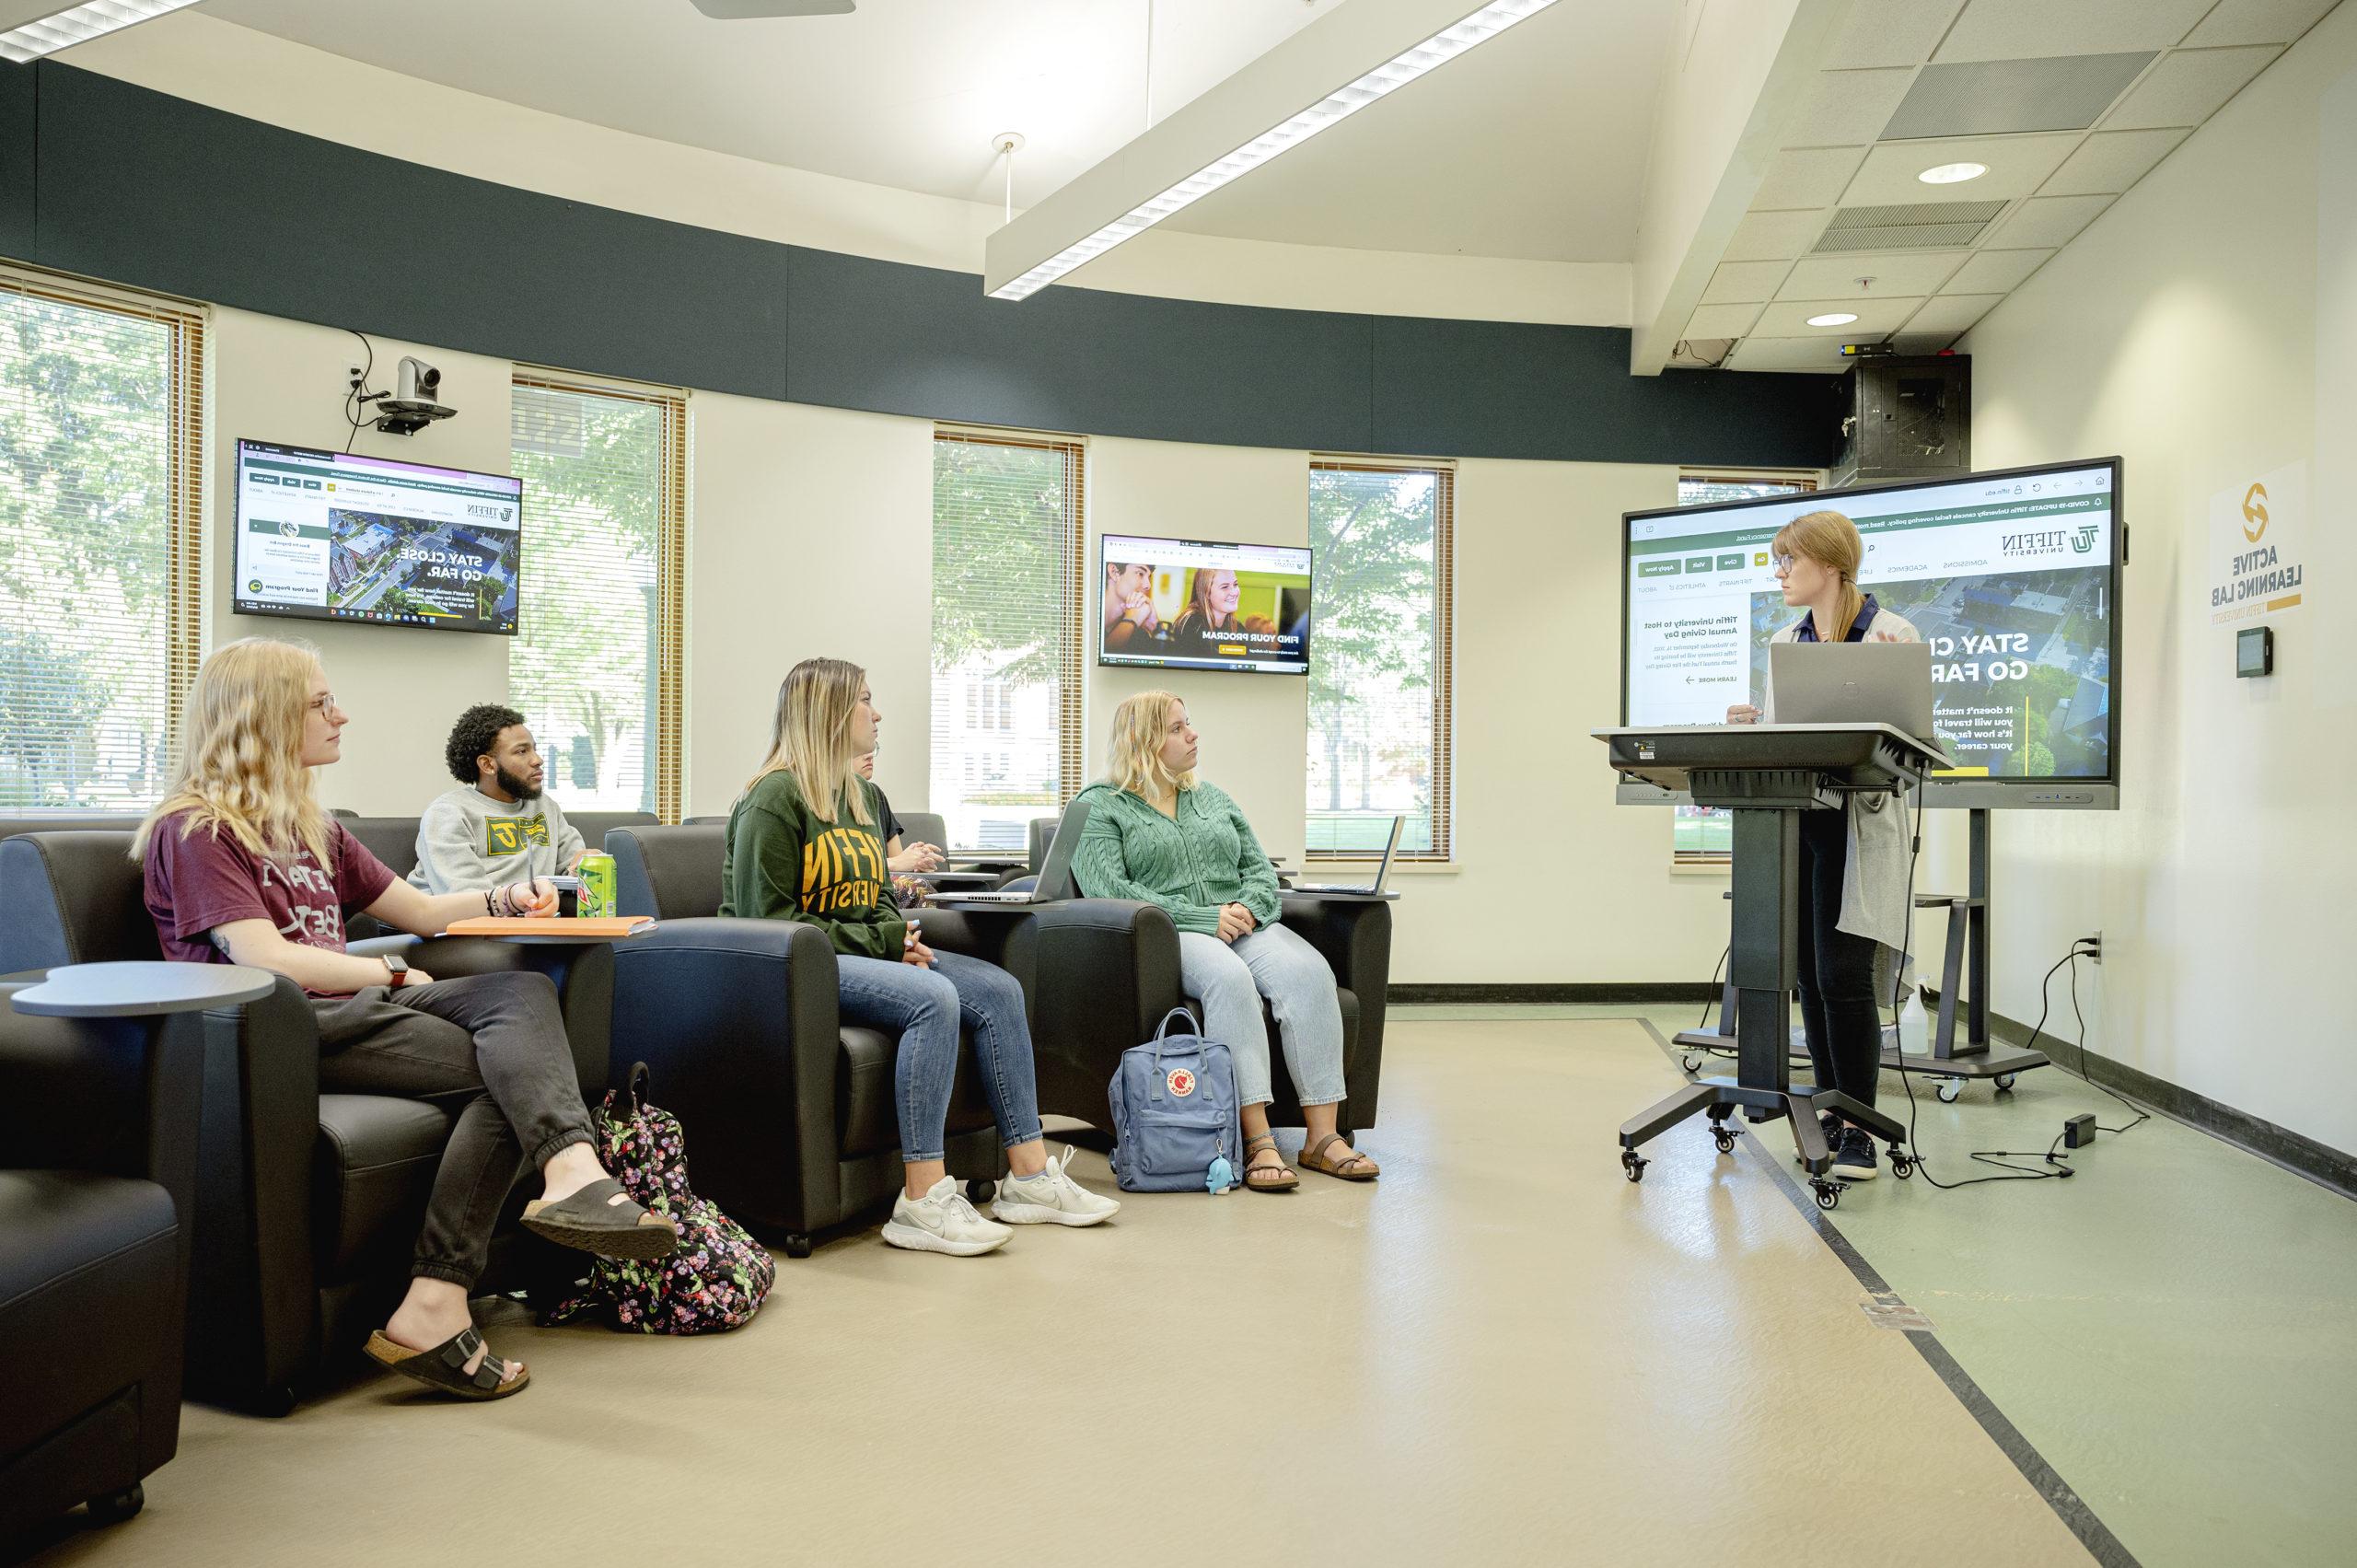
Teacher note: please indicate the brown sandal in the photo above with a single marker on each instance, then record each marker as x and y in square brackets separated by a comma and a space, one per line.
[1352, 1167]
[591, 1221]
[443, 1368]
[1281, 1178]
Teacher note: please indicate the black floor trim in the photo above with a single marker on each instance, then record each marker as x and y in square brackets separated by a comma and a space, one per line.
[1640, 994]
[2068, 1505]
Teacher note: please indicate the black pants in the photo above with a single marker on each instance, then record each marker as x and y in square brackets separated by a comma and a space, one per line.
[1837, 968]
[490, 1051]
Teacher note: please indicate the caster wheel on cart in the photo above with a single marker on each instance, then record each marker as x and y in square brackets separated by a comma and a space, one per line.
[1828, 1195]
[1691, 1063]
[1725, 1137]
[1633, 1165]
[1949, 1090]
[1900, 1166]
[2004, 1083]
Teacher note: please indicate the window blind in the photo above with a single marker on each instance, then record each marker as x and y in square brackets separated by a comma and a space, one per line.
[101, 468]
[596, 664]
[1380, 728]
[1008, 599]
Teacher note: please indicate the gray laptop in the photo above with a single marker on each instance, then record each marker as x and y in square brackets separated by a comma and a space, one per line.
[1055, 879]
[1854, 683]
[1381, 871]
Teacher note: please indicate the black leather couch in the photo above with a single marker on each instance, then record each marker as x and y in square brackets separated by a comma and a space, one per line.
[308, 1205]
[394, 839]
[98, 1127]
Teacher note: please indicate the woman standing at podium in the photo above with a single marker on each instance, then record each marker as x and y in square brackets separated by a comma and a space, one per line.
[1853, 864]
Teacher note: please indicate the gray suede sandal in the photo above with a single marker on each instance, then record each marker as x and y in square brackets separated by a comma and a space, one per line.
[592, 1222]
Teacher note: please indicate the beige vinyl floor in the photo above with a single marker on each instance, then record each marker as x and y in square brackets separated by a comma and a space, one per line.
[1501, 1354]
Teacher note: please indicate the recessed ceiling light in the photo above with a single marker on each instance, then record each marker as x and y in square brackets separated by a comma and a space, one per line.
[1834, 319]
[1953, 173]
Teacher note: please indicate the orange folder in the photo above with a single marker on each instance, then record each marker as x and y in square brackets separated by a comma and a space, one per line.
[611, 928]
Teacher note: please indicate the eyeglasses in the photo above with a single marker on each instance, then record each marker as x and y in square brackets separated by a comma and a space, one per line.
[1784, 563]
[324, 703]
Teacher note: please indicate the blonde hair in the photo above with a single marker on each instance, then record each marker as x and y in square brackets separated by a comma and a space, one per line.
[811, 738]
[1199, 601]
[241, 754]
[1831, 540]
[1135, 761]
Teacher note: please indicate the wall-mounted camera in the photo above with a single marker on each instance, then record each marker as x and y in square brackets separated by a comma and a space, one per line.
[414, 403]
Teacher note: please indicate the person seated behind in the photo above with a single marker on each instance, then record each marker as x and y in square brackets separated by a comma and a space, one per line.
[904, 859]
[242, 866]
[497, 827]
[803, 846]
[1156, 832]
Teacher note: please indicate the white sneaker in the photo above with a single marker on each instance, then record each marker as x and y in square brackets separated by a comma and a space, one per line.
[1052, 1199]
[942, 1221]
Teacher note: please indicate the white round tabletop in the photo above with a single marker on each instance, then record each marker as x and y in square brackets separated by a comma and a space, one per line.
[133, 990]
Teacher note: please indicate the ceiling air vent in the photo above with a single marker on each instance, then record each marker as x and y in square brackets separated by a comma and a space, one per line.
[1918, 226]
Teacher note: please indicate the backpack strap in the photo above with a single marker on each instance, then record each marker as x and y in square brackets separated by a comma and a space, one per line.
[640, 1075]
[1161, 1030]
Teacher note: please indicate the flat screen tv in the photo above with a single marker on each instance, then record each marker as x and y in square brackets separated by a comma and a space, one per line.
[2012, 576]
[327, 536]
[1181, 604]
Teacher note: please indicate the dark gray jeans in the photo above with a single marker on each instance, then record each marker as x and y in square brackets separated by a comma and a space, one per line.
[490, 1051]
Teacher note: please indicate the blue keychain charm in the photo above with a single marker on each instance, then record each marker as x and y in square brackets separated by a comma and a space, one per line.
[1221, 1176]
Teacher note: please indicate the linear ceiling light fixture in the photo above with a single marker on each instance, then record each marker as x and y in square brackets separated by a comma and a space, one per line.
[79, 24]
[1478, 26]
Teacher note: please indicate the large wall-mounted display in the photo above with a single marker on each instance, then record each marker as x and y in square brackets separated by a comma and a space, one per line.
[2012, 578]
[1178, 604]
[327, 536]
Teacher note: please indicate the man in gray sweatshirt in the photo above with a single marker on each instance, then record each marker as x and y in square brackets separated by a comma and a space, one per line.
[496, 827]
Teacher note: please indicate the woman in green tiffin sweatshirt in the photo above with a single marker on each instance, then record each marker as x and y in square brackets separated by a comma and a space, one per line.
[1155, 833]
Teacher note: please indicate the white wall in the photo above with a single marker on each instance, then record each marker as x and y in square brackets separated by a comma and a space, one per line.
[2182, 331]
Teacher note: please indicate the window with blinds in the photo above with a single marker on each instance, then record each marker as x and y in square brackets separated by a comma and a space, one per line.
[1704, 835]
[1008, 601]
[1379, 730]
[102, 464]
[597, 665]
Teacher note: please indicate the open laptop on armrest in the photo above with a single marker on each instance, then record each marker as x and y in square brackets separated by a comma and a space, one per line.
[1055, 880]
[1361, 890]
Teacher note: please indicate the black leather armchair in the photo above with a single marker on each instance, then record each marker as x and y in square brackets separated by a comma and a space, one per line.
[99, 1130]
[307, 1205]
[788, 1109]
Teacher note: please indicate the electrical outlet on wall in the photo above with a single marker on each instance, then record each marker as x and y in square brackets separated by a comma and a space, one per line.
[2092, 943]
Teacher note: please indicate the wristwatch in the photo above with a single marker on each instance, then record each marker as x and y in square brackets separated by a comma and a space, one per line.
[396, 969]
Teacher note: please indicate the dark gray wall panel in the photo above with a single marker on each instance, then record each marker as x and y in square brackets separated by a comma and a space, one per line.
[914, 339]
[1565, 393]
[16, 133]
[117, 182]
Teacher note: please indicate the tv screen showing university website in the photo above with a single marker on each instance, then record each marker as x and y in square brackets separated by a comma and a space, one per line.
[332, 536]
[2008, 577]
[1178, 604]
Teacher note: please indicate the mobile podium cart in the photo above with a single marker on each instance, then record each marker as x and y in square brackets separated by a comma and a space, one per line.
[1768, 775]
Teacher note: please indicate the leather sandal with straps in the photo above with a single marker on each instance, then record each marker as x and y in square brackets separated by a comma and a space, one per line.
[592, 1221]
[1352, 1165]
[444, 1367]
[1279, 1177]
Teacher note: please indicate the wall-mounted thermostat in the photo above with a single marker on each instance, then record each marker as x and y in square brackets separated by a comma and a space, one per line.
[2254, 651]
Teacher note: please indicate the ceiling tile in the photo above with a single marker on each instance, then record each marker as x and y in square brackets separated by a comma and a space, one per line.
[1788, 317]
[1811, 177]
[1836, 277]
[1891, 32]
[1984, 97]
[2046, 221]
[1767, 237]
[1914, 343]
[1951, 312]
[1720, 321]
[2016, 29]
[1820, 353]
[2017, 164]
[1745, 283]
[1848, 109]
[2258, 22]
[1995, 272]
[2112, 161]
[2189, 86]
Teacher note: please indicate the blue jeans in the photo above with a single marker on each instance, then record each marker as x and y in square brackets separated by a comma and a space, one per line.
[1230, 978]
[923, 1008]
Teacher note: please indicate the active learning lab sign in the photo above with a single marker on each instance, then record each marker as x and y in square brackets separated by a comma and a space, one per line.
[2258, 546]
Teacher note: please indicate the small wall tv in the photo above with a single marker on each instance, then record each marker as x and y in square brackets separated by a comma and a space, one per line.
[327, 536]
[1182, 604]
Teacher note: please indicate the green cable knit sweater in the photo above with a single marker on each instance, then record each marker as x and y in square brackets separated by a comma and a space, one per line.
[1191, 866]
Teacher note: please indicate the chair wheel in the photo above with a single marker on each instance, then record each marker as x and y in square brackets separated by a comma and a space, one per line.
[1633, 1165]
[980, 1190]
[1725, 1137]
[1900, 1166]
[2004, 1083]
[1949, 1090]
[114, 1507]
[798, 1245]
[1828, 1195]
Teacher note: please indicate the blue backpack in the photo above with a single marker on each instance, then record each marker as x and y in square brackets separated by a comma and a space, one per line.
[1176, 1122]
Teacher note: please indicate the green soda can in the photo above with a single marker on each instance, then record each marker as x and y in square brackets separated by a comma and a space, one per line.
[596, 899]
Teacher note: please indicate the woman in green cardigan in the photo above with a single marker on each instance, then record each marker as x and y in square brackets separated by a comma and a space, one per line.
[1156, 833]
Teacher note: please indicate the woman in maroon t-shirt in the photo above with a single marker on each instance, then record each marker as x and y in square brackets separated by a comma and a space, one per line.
[243, 866]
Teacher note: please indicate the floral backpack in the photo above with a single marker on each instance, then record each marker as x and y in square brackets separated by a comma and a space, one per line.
[716, 1280]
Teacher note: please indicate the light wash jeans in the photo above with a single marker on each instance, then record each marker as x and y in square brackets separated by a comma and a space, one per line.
[1229, 978]
[923, 1008]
